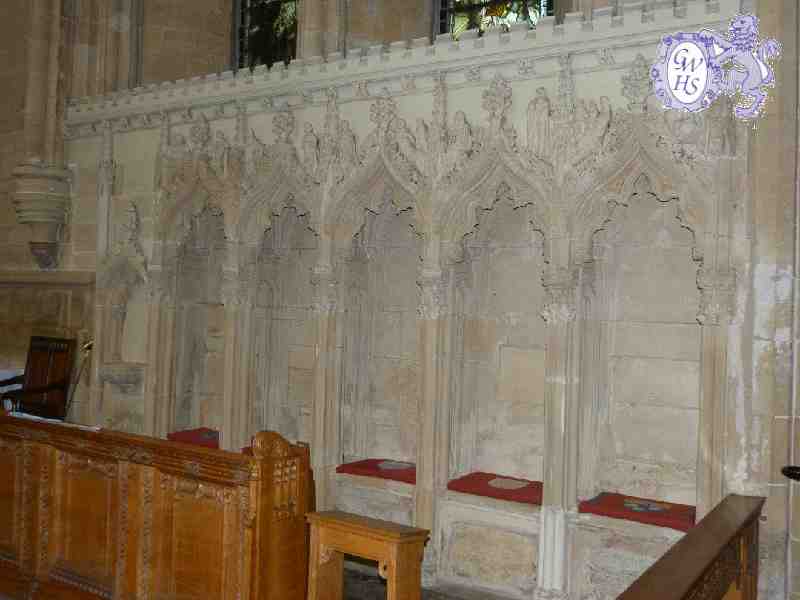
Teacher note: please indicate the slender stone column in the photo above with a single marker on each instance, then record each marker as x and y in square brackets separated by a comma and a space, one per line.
[433, 434]
[559, 313]
[159, 393]
[716, 307]
[325, 441]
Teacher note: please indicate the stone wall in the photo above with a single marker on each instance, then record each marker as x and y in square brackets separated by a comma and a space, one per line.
[185, 39]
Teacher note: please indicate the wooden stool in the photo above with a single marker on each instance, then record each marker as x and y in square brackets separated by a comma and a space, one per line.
[397, 548]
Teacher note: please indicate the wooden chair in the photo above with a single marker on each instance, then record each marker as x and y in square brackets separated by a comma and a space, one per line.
[45, 382]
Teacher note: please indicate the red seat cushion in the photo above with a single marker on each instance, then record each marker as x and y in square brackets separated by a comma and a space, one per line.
[248, 450]
[478, 484]
[202, 436]
[372, 467]
[641, 510]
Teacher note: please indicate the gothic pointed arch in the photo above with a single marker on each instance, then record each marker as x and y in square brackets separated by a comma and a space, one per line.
[366, 189]
[458, 213]
[266, 196]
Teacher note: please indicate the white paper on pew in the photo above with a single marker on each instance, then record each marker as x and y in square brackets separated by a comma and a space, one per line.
[54, 421]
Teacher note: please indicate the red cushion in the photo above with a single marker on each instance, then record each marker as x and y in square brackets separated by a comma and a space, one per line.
[477, 484]
[248, 450]
[641, 510]
[202, 436]
[371, 468]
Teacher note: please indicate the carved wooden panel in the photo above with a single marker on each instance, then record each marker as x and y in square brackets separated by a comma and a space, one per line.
[11, 472]
[85, 508]
[191, 538]
[103, 514]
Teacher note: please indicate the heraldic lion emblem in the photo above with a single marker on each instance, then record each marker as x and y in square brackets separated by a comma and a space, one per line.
[748, 70]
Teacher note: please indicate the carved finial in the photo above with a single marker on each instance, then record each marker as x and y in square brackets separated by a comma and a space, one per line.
[383, 110]
[636, 84]
[200, 134]
[566, 85]
[283, 126]
[497, 102]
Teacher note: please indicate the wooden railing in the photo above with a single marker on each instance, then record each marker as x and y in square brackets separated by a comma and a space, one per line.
[718, 559]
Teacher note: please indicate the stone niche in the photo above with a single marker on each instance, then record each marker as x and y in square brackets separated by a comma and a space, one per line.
[199, 324]
[380, 370]
[283, 340]
[650, 358]
[498, 372]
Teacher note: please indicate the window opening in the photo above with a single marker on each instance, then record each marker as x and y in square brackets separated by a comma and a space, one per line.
[458, 16]
[267, 32]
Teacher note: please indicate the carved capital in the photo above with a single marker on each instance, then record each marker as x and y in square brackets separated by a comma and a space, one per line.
[433, 300]
[560, 285]
[717, 296]
[325, 289]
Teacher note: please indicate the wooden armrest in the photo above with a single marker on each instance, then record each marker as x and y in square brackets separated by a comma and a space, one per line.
[17, 379]
[31, 391]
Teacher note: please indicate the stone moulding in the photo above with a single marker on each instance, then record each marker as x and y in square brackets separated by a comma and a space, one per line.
[520, 53]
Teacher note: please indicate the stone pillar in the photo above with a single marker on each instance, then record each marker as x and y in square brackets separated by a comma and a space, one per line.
[559, 313]
[325, 437]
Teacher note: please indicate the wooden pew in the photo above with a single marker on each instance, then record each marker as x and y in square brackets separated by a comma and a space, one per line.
[716, 560]
[100, 514]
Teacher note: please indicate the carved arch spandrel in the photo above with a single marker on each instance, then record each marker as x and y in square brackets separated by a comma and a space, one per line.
[366, 190]
[599, 206]
[267, 196]
[458, 213]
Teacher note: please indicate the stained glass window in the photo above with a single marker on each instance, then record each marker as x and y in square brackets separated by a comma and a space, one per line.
[267, 32]
[458, 16]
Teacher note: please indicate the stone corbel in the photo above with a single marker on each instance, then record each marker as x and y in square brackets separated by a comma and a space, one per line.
[41, 201]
